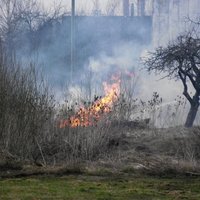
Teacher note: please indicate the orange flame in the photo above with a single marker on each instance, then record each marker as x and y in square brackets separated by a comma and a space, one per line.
[90, 116]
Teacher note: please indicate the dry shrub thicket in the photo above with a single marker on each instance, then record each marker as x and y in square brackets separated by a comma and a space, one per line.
[25, 108]
[29, 127]
[29, 124]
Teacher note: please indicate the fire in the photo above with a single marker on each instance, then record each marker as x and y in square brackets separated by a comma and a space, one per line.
[90, 116]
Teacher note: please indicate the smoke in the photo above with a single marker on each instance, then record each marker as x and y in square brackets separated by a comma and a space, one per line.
[102, 45]
[105, 46]
[102, 49]
[123, 57]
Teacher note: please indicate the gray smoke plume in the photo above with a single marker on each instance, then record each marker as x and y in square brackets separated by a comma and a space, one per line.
[105, 45]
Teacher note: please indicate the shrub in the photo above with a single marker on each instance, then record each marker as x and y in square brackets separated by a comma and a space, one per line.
[26, 108]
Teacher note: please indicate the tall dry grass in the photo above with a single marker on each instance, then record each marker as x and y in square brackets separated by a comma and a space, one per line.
[29, 124]
[26, 108]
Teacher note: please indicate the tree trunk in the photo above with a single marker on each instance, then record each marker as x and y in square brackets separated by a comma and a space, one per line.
[191, 115]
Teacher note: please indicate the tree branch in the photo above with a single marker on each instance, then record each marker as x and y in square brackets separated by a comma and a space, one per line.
[185, 92]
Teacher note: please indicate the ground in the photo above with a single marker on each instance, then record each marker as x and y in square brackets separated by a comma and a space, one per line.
[82, 187]
[149, 164]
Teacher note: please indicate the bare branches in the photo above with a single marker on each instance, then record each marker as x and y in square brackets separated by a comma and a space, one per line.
[34, 15]
[8, 16]
[54, 13]
[19, 17]
[185, 52]
[96, 8]
[25, 108]
[185, 92]
[18, 14]
[180, 60]
[111, 7]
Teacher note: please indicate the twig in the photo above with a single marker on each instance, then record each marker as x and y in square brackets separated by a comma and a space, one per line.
[40, 149]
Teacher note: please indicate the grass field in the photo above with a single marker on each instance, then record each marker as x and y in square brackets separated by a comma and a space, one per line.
[99, 188]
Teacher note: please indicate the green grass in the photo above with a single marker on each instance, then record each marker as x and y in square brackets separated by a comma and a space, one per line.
[99, 188]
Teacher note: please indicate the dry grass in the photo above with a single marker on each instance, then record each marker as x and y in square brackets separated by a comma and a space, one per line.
[29, 132]
[25, 109]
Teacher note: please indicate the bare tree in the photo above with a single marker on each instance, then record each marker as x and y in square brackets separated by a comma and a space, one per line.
[54, 13]
[180, 60]
[9, 20]
[96, 8]
[19, 16]
[111, 7]
[30, 14]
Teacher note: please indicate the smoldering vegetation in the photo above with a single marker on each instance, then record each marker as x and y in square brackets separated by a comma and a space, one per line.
[125, 140]
[137, 133]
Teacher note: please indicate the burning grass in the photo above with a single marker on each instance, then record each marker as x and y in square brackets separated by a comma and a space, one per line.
[90, 116]
[29, 130]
